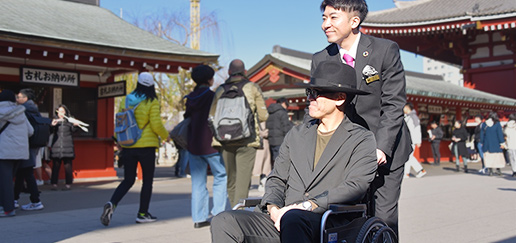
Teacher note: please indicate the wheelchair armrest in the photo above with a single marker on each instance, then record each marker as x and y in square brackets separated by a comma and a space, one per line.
[247, 202]
[345, 208]
[341, 209]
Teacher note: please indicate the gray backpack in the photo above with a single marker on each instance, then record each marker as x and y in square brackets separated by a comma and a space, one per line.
[233, 120]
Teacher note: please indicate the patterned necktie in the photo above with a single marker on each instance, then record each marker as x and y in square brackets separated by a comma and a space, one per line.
[349, 60]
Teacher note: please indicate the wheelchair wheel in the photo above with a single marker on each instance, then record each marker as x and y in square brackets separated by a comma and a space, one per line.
[385, 235]
[369, 229]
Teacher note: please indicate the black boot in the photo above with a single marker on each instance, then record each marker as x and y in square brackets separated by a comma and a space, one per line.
[498, 172]
[490, 172]
[457, 168]
[465, 169]
[513, 174]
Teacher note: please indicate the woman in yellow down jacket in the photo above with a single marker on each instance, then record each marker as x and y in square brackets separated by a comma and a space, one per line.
[148, 117]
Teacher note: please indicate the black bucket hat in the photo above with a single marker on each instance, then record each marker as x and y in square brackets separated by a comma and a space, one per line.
[335, 77]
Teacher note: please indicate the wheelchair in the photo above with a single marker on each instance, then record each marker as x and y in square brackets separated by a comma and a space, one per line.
[360, 229]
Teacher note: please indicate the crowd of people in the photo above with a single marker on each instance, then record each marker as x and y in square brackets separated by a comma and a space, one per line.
[21, 158]
[359, 135]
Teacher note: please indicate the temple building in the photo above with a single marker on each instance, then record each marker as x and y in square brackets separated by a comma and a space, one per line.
[478, 35]
[280, 73]
[68, 52]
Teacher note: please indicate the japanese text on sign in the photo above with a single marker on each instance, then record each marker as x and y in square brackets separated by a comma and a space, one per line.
[46, 76]
[111, 90]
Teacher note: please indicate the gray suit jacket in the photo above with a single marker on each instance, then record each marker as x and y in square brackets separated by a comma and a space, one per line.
[382, 110]
[343, 174]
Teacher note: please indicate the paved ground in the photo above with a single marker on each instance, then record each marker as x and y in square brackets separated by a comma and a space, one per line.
[443, 206]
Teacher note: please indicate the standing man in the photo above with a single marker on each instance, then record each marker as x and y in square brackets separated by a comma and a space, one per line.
[436, 135]
[414, 127]
[278, 124]
[239, 155]
[379, 71]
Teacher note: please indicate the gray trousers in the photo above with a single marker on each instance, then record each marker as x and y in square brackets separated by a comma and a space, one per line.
[296, 225]
[239, 163]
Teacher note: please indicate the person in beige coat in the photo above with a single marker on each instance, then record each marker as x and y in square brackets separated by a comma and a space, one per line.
[239, 156]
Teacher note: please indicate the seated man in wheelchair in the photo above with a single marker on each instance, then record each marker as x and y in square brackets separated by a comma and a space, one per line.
[325, 161]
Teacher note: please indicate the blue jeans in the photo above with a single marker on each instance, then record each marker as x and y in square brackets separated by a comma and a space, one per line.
[181, 164]
[200, 195]
[481, 153]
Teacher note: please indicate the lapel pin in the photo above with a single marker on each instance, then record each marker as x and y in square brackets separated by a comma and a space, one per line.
[365, 54]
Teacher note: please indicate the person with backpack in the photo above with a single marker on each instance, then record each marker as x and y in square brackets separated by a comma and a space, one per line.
[15, 131]
[147, 113]
[237, 109]
[62, 149]
[25, 172]
[202, 154]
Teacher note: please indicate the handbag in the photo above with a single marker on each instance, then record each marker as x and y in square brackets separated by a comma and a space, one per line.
[180, 133]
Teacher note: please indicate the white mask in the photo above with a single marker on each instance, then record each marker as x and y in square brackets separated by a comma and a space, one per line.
[489, 122]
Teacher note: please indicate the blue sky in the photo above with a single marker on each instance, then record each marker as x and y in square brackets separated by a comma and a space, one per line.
[249, 29]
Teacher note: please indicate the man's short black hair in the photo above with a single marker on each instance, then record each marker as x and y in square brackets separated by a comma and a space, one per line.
[359, 6]
[282, 100]
[29, 93]
[410, 105]
[434, 122]
[202, 74]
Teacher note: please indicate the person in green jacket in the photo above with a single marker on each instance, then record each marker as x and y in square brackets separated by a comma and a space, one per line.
[148, 117]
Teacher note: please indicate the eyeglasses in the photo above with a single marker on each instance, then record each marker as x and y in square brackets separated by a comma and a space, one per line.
[313, 93]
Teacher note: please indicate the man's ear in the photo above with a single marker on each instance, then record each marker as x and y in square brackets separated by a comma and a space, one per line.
[341, 99]
[355, 21]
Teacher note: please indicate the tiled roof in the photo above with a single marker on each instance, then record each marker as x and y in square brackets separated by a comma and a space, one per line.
[412, 12]
[434, 86]
[416, 83]
[82, 23]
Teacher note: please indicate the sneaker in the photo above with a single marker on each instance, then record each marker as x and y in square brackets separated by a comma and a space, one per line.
[32, 206]
[421, 174]
[40, 182]
[145, 218]
[7, 214]
[16, 204]
[105, 218]
[406, 176]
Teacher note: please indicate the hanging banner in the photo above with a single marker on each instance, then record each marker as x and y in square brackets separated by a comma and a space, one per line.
[49, 77]
[111, 90]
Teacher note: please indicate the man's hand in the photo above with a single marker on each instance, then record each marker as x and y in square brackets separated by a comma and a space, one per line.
[380, 155]
[418, 145]
[276, 213]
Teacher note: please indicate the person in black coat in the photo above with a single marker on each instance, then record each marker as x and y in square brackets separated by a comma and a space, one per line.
[436, 135]
[459, 137]
[62, 148]
[25, 172]
[278, 124]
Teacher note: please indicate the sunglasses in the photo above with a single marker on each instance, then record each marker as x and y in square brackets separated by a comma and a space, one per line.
[314, 93]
